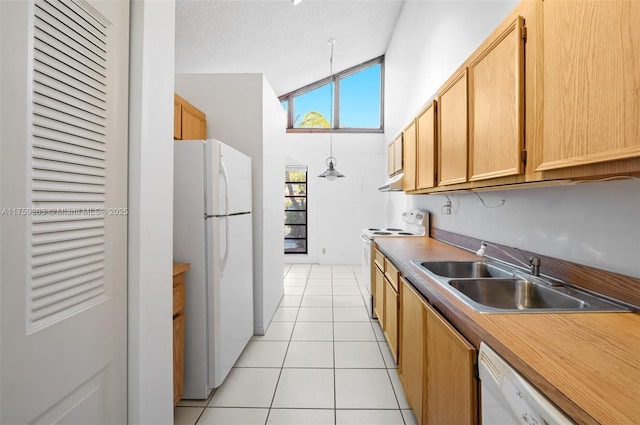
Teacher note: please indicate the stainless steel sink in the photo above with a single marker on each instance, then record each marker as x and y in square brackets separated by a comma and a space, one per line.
[516, 294]
[464, 269]
[489, 288]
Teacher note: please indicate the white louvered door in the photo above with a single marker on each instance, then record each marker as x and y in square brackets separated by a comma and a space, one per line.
[64, 212]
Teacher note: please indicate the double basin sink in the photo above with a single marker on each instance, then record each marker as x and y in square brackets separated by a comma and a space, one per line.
[491, 288]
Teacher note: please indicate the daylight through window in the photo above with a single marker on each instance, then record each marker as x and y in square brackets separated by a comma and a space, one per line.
[358, 101]
[295, 210]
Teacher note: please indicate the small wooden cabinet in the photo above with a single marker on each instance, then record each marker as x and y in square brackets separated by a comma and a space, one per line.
[496, 106]
[450, 395]
[452, 131]
[394, 156]
[178, 329]
[391, 301]
[437, 364]
[378, 294]
[589, 83]
[426, 139]
[410, 162]
[412, 346]
[189, 123]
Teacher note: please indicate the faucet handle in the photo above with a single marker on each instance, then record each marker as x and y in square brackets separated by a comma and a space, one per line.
[535, 265]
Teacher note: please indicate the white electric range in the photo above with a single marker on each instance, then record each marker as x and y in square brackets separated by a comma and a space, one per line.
[416, 223]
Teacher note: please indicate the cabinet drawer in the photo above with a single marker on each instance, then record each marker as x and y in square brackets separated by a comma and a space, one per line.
[378, 259]
[392, 273]
[178, 293]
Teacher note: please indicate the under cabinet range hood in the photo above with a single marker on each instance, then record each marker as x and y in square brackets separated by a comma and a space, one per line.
[394, 184]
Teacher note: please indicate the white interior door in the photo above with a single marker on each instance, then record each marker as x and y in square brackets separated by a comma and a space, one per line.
[63, 176]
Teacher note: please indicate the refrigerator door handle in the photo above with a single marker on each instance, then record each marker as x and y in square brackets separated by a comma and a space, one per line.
[224, 257]
[225, 179]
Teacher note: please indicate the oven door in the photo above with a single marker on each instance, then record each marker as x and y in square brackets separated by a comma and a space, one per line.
[365, 284]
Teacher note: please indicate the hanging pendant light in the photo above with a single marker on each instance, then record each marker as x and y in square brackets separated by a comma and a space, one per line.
[331, 173]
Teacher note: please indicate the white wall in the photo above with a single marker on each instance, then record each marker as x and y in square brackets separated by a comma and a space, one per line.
[596, 224]
[150, 391]
[241, 112]
[338, 210]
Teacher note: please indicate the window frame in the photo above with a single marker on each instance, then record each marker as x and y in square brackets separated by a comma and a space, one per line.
[337, 77]
[304, 169]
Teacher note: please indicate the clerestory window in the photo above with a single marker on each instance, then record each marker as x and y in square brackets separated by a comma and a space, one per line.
[357, 101]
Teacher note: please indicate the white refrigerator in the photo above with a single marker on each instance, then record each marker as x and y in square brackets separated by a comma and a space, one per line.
[212, 230]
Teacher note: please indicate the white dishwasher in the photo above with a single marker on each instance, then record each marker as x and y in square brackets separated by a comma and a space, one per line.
[508, 399]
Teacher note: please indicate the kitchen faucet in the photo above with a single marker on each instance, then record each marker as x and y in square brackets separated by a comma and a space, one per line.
[534, 262]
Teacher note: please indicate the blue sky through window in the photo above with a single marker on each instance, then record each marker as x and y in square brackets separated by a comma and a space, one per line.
[359, 102]
[360, 99]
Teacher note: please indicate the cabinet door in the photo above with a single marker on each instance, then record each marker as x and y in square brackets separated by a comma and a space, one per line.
[409, 148]
[411, 346]
[452, 131]
[397, 155]
[590, 82]
[390, 159]
[451, 389]
[496, 106]
[378, 296]
[177, 120]
[194, 125]
[426, 147]
[178, 358]
[391, 318]
[189, 123]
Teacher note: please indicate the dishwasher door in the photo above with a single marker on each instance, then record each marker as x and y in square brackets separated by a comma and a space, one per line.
[507, 398]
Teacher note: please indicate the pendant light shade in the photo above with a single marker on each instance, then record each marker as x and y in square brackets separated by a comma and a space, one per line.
[331, 173]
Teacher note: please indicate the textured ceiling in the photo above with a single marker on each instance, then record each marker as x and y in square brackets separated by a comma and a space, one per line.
[288, 43]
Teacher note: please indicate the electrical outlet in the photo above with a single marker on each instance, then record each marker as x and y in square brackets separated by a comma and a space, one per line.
[324, 251]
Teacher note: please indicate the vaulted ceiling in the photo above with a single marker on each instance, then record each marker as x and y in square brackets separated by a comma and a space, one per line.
[288, 43]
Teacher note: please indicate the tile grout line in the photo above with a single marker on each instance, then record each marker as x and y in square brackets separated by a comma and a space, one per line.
[333, 345]
[284, 359]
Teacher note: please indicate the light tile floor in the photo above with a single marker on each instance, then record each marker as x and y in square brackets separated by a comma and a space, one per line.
[322, 361]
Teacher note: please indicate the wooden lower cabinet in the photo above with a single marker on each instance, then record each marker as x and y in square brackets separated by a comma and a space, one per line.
[391, 318]
[436, 365]
[450, 392]
[378, 296]
[412, 348]
[178, 330]
[178, 358]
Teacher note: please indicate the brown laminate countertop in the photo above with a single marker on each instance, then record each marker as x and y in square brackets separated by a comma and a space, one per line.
[588, 364]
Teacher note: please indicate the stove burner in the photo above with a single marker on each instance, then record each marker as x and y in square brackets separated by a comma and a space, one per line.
[381, 233]
[373, 229]
[406, 233]
[392, 229]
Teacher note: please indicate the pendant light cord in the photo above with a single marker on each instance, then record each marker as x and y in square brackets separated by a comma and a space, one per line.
[331, 43]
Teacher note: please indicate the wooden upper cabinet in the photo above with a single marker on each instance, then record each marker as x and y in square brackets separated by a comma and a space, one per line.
[390, 160]
[410, 163]
[496, 106]
[177, 118]
[590, 66]
[452, 131]
[397, 155]
[450, 393]
[426, 126]
[394, 156]
[189, 123]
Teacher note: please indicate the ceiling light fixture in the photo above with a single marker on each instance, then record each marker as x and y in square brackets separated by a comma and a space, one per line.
[296, 2]
[331, 173]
